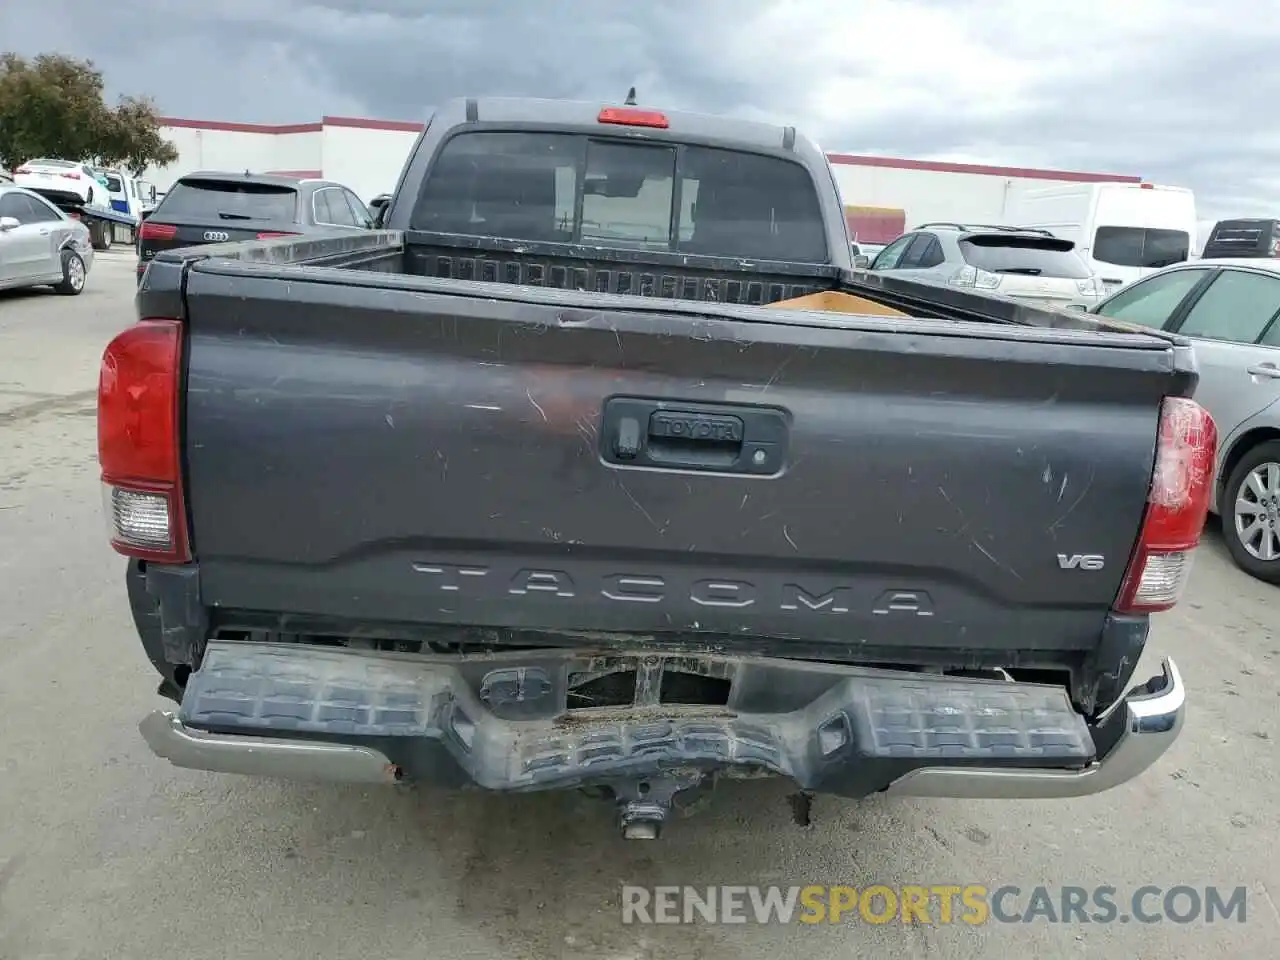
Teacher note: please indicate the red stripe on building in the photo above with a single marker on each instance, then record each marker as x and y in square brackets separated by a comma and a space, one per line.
[406, 126]
[300, 174]
[275, 128]
[225, 127]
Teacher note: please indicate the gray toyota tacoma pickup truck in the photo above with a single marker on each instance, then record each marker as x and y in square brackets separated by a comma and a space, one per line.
[546, 485]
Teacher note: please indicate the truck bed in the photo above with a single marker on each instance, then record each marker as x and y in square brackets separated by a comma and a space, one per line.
[404, 441]
[679, 277]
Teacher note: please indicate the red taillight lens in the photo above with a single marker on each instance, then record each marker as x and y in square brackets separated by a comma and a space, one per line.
[157, 231]
[268, 235]
[23, 170]
[628, 117]
[138, 442]
[70, 175]
[1177, 505]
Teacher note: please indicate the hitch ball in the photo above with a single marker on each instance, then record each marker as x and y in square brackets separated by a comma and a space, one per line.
[641, 830]
[643, 820]
[645, 804]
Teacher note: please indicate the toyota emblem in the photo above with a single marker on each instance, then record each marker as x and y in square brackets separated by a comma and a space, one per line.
[216, 236]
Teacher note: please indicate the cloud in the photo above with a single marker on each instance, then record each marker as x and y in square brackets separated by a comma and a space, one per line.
[1172, 90]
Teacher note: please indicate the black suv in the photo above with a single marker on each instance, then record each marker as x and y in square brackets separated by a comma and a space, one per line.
[1243, 238]
[213, 207]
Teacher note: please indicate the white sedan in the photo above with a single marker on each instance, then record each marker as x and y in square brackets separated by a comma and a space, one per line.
[64, 181]
[1229, 309]
[39, 245]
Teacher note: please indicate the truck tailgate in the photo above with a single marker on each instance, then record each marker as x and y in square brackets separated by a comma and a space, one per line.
[427, 452]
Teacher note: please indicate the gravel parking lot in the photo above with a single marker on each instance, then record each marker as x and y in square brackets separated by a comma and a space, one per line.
[106, 852]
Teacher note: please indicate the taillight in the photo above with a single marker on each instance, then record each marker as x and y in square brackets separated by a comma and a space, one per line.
[970, 276]
[23, 170]
[70, 175]
[271, 234]
[630, 117]
[138, 442]
[157, 231]
[1177, 504]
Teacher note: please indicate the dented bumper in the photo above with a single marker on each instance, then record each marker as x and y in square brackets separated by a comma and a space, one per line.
[503, 722]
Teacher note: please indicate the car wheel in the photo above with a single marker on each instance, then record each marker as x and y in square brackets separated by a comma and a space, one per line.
[1251, 512]
[73, 274]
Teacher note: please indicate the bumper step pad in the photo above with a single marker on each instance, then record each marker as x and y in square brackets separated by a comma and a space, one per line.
[860, 718]
[331, 714]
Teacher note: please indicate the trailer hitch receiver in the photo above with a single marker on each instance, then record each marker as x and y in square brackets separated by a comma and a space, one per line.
[644, 805]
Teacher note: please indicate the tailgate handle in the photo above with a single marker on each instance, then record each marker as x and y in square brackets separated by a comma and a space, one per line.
[689, 437]
[724, 438]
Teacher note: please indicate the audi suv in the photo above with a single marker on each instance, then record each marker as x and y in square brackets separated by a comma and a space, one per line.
[212, 207]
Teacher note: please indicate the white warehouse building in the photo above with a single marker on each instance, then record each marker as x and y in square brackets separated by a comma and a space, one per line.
[366, 155]
[883, 195]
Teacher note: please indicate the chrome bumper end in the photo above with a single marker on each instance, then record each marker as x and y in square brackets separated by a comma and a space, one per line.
[183, 746]
[1153, 717]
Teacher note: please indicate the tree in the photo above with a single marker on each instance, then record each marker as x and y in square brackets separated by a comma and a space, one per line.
[132, 137]
[53, 106]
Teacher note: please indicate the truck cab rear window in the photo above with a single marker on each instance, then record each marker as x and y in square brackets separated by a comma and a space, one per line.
[114, 183]
[229, 200]
[566, 188]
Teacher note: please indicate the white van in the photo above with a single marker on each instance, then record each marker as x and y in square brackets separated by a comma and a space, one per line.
[1124, 231]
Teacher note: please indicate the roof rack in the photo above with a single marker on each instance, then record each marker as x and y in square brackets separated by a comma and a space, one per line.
[1011, 229]
[985, 226]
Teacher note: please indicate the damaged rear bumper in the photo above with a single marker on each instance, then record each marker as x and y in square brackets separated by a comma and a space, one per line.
[500, 722]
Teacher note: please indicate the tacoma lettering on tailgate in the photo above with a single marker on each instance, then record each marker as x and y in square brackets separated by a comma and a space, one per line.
[649, 588]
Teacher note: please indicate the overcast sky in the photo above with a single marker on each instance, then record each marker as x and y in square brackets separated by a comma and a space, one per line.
[1177, 91]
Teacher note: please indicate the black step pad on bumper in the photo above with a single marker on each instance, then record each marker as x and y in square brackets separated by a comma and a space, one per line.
[828, 727]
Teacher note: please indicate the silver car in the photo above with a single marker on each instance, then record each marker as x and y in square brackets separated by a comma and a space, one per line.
[40, 245]
[1029, 265]
[1230, 309]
